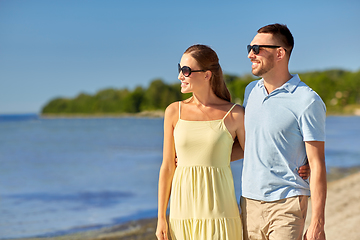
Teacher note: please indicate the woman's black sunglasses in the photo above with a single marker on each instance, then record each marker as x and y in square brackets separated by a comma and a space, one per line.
[186, 71]
[256, 48]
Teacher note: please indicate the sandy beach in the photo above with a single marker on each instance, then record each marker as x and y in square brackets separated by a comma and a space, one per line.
[342, 214]
[342, 211]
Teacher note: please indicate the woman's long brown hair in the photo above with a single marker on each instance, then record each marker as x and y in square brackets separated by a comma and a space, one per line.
[208, 60]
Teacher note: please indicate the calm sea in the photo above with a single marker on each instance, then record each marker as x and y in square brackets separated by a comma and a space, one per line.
[65, 175]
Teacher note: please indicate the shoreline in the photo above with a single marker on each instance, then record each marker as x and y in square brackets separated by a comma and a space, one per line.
[150, 114]
[144, 229]
[337, 173]
[350, 110]
[354, 112]
[144, 114]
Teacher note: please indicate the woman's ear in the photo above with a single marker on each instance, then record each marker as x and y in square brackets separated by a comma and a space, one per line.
[208, 75]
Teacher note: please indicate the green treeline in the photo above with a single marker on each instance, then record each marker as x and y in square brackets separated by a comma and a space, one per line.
[337, 88]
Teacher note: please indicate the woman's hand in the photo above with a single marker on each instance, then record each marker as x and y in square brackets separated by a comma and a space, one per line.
[304, 171]
[162, 230]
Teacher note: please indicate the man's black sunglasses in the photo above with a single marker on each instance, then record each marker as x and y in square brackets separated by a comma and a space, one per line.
[256, 48]
[186, 71]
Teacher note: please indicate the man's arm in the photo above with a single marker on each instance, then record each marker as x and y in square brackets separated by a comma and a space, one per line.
[315, 151]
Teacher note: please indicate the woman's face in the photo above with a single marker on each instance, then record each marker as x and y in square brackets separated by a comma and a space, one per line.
[195, 80]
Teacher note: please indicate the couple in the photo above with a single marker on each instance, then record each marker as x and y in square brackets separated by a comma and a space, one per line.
[285, 127]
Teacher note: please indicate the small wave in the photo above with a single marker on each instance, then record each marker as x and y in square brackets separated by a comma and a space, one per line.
[18, 117]
[84, 199]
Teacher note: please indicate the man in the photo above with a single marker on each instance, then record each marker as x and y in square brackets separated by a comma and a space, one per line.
[285, 127]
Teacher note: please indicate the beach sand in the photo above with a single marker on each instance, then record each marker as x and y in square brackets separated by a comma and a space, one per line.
[342, 210]
[342, 215]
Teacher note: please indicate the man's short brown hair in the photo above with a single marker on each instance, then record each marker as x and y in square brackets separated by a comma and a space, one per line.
[282, 33]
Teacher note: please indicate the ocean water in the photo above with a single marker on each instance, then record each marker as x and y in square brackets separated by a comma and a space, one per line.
[66, 175]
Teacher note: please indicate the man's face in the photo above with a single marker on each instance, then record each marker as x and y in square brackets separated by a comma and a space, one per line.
[264, 61]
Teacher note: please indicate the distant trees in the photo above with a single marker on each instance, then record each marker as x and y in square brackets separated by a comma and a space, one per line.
[159, 95]
[337, 88]
[156, 97]
[237, 85]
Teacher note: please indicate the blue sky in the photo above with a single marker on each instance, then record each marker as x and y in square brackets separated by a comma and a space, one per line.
[59, 48]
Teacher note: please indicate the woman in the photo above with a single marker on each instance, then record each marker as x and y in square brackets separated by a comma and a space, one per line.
[200, 132]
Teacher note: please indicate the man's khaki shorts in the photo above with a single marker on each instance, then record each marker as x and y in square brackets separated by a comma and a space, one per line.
[280, 220]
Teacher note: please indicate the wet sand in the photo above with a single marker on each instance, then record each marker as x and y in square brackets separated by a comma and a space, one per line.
[342, 214]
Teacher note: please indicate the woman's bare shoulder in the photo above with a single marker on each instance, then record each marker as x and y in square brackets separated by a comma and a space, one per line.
[239, 109]
[172, 111]
[172, 107]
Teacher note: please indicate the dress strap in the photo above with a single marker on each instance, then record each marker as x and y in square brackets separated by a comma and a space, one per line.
[229, 111]
[179, 108]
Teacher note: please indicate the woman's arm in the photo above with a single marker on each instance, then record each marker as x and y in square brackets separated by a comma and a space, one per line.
[304, 171]
[237, 152]
[239, 145]
[166, 171]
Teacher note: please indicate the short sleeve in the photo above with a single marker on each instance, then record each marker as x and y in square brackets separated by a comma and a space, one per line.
[312, 121]
[248, 90]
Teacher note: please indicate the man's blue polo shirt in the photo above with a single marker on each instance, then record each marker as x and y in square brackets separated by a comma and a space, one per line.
[277, 126]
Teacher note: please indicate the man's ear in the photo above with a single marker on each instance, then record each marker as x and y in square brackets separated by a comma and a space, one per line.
[281, 53]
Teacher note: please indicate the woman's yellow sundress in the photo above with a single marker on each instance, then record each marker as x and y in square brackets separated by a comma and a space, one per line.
[203, 205]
